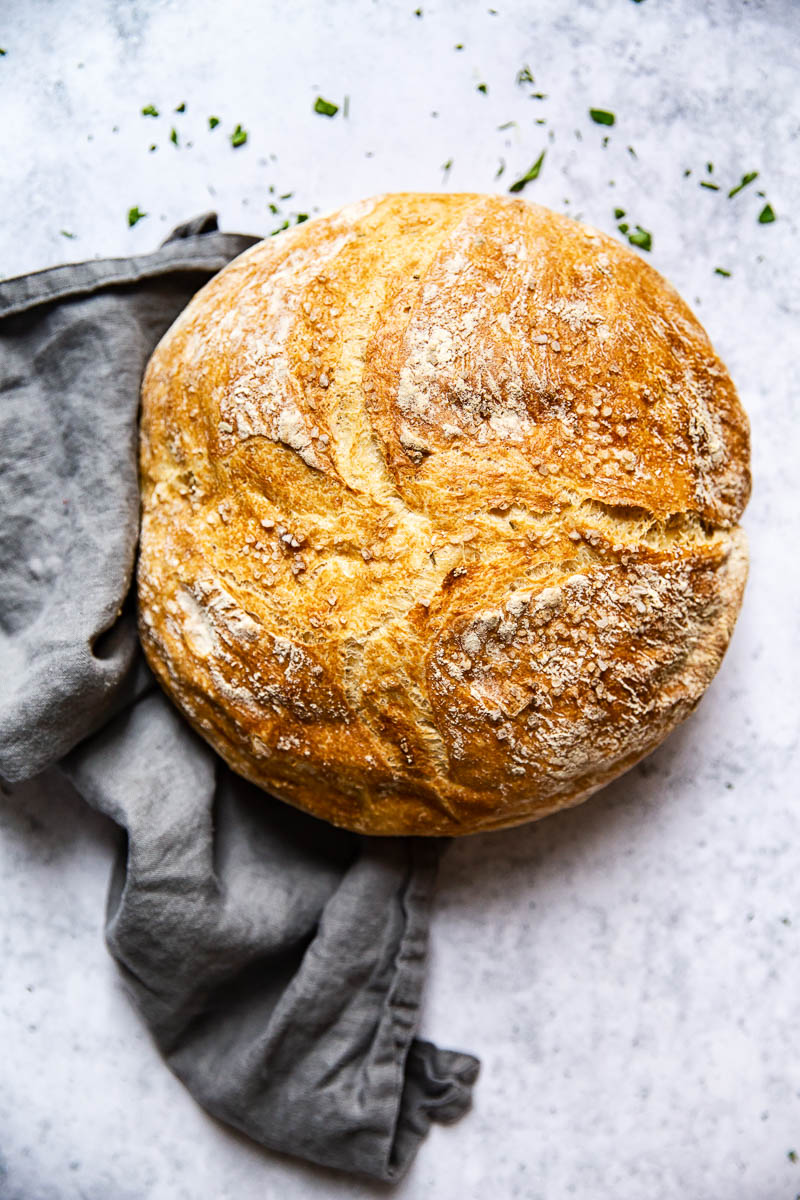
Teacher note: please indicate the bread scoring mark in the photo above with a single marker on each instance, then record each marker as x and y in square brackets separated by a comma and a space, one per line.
[263, 396]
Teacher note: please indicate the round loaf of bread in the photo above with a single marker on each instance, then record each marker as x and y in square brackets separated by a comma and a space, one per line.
[440, 499]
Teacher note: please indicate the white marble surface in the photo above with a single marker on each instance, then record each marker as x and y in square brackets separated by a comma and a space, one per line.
[628, 971]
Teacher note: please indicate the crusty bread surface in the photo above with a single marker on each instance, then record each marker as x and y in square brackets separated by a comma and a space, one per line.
[439, 513]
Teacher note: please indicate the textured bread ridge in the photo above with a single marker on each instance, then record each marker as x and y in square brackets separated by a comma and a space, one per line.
[439, 513]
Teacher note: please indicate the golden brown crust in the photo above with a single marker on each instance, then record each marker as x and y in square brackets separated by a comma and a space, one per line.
[439, 513]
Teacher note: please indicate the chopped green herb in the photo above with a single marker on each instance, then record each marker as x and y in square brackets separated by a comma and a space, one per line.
[500, 169]
[280, 228]
[624, 227]
[152, 148]
[748, 178]
[181, 107]
[300, 218]
[524, 76]
[641, 238]
[346, 107]
[540, 121]
[538, 95]
[507, 125]
[3, 52]
[135, 214]
[631, 151]
[66, 233]
[458, 46]
[792, 1156]
[619, 213]
[767, 215]
[710, 168]
[601, 117]
[482, 88]
[149, 110]
[273, 208]
[286, 196]
[722, 271]
[531, 174]
[325, 108]
[173, 136]
[605, 141]
[687, 172]
[446, 166]
[238, 137]
[712, 187]
[213, 122]
[417, 12]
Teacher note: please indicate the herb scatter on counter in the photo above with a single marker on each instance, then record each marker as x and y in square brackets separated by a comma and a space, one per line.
[748, 178]
[601, 116]
[135, 214]
[767, 215]
[149, 110]
[325, 108]
[531, 174]
[213, 122]
[641, 238]
[238, 137]
[722, 271]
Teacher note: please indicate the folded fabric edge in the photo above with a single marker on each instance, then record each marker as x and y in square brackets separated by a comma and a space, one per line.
[185, 250]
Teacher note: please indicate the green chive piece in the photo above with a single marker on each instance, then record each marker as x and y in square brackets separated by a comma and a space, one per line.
[524, 76]
[710, 168]
[446, 166]
[507, 125]
[500, 169]
[748, 178]
[3, 52]
[641, 238]
[152, 148]
[300, 218]
[619, 213]
[66, 233]
[280, 228]
[238, 137]
[325, 108]
[458, 46]
[767, 215]
[601, 117]
[181, 107]
[135, 214]
[213, 122]
[482, 88]
[531, 174]
[273, 208]
[149, 110]
[722, 271]
[173, 136]
[712, 187]
[624, 227]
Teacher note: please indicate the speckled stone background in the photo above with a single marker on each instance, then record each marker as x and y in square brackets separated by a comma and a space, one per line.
[627, 971]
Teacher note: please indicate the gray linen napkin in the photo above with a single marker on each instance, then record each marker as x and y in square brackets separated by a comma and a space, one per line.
[278, 961]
